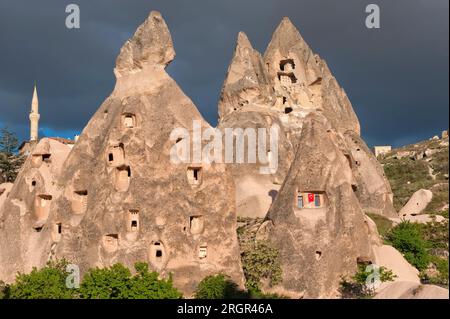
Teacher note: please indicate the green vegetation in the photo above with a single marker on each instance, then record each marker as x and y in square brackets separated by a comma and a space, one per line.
[115, 282]
[359, 286]
[425, 247]
[10, 163]
[406, 237]
[259, 259]
[46, 283]
[218, 287]
[261, 262]
[406, 176]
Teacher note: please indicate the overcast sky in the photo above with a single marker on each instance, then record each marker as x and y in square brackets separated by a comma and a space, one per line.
[396, 76]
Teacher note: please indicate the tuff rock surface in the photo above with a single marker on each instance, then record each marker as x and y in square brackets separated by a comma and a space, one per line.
[123, 199]
[283, 86]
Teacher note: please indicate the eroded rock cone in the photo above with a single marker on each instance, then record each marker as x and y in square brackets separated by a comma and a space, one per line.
[26, 210]
[124, 199]
[316, 221]
[286, 84]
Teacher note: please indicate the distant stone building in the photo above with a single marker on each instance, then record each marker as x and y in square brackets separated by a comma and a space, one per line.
[379, 150]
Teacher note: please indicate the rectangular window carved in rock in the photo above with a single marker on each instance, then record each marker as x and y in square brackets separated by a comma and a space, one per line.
[42, 206]
[79, 201]
[196, 224]
[111, 242]
[202, 252]
[57, 230]
[194, 175]
[287, 65]
[128, 120]
[116, 155]
[46, 158]
[123, 176]
[133, 220]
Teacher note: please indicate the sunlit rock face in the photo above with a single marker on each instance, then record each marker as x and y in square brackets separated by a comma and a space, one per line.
[284, 86]
[25, 229]
[316, 221]
[124, 200]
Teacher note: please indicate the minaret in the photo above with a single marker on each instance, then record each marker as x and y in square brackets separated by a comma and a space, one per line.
[34, 117]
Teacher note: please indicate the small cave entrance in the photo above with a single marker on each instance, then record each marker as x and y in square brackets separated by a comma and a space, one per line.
[284, 100]
[111, 242]
[123, 176]
[38, 159]
[79, 201]
[194, 175]
[203, 252]
[196, 224]
[33, 183]
[56, 232]
[128, 120]
[38, 229]
[133, 220]
[157, 254]
[116, 155]
[273, 194]
[354, 188]
[318, 255]
[42, 206]
[288, 110]
[287, 65]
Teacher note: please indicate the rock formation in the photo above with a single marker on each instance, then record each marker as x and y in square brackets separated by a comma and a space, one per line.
[124, 199]
[411, 290]
[5, 188]
[316, 221]
[284, 86]
[417, 203]
[26, 209]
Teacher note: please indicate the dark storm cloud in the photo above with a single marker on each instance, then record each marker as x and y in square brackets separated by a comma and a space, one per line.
[396, 77]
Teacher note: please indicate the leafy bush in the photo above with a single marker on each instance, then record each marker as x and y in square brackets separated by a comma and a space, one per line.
[357, 286]
[406, 237]
[261, 262]
[218, 287]
[46, 283]
[441, 278]
[117, 282]
[221, 287]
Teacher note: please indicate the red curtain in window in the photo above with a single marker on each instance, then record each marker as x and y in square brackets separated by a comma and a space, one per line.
[310, 198]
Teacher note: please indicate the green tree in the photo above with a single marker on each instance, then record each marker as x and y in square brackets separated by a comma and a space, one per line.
[46, 283]
[218, 287]
[8, 141]
[10, 163]
[357, 286]
[406, 237]
[261, 262]
[116, 282]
